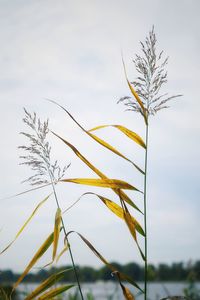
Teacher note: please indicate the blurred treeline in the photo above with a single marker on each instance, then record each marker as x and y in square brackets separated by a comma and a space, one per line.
[163, 272]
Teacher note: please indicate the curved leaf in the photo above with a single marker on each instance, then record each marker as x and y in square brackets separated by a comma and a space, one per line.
[134, 93]
[141, 252]
[56, 291]
[132, 135]
[92, 167]
[57, 226]
[45, 246]
[127, 293]
[117, 210]
[111, 148]
[105, 183]
[66, 247]
[26, 223]
[46, 284]
[121, 276]
[132, 229]
[130, 224]
[98, 172]
[97, 139]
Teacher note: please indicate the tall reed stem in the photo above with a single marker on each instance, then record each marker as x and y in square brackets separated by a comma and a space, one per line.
[65, 232]
[145, 216]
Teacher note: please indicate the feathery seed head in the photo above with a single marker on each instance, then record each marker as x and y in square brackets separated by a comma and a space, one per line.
[152, 75]
[38, 152]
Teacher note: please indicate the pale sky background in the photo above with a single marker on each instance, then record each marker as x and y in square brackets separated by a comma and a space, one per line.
[70, 51]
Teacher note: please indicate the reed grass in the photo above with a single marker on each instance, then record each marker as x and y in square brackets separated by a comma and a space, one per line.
[38, 157]
[147, 100]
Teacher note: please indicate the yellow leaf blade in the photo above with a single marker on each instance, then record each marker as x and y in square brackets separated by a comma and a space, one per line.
[127, 293]
[57, 226]
[132, 135]
[55, 292]
[132, 228]
[96, 252]
[123, 277]
[46, 284]
[129, 133]
[134, 93]
[110, 266]
[97, 139]
[123, 195]
[105, 183]
[44, 247]
[118, 211]
[26, 223]
[66, 247]
[114, 150]
[130, 224]
[113, 207]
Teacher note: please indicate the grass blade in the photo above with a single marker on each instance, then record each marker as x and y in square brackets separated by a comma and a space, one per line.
[97, 139]
[25, 192]
[134, 93]
[132, 135]
[132, 228]
[57, 226]
[45, 246]
[105, 183]
[46, 284]
[130, 224]
[121, 276]
[141, 252]
[96, 252]
[114, 150]
[117, 210]
[66, 247]
[26, 223]
[55, 292]
[127, 293]
[98, 172]
[3, 295]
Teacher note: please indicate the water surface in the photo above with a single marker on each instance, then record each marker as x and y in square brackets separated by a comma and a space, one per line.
[110, 291]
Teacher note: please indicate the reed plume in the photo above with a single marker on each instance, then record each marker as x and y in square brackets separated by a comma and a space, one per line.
[38, 152]
[152, 76]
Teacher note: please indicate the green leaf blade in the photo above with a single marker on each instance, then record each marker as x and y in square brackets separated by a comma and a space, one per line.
[55, 292]
[46, 284]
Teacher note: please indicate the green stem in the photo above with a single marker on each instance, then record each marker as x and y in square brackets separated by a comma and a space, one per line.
[65, 232]
[145, 216]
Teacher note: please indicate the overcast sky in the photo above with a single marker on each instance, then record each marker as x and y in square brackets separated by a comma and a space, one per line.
[70, 51]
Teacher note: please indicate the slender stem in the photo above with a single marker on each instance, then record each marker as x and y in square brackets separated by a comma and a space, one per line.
[145, 216]
[65, 232]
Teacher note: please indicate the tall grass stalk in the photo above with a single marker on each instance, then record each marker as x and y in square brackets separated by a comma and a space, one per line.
[147, 100]
[40, 161]
[66, 237]
[145, 213]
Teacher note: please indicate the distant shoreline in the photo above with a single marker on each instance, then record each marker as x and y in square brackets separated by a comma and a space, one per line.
[175, 272]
